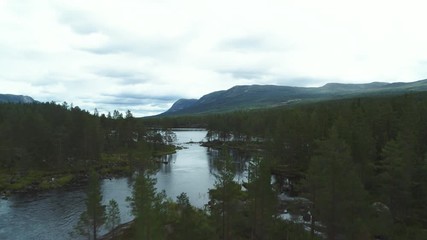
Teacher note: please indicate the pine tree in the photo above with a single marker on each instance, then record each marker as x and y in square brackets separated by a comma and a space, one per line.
[188, 218]
[94, 217]
[262, 199]
[95, 209]
[338, 196]
[224, 198]
[82, 228]
[112, 216]
[148, 208]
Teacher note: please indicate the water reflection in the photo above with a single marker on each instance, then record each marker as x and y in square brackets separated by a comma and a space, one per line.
[52, 214]
[187, 170]
[239, 159]
[166, 163]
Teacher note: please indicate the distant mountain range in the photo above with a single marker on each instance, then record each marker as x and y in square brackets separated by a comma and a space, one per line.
[9, 98]
[261, 96]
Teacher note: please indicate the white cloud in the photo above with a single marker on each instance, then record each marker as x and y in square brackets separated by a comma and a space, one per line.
[144, 54]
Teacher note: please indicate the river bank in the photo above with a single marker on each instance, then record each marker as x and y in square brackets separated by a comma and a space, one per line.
[110, 166]
[39, 181]
[120, 232]
[52, 213]
[243, 146]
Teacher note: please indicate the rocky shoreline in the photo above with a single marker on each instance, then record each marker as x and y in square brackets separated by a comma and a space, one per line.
[120, 230]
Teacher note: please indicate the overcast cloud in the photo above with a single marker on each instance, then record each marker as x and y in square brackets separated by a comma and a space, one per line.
[143, 55]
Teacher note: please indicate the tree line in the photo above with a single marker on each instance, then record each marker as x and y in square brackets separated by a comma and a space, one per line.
[54, 137]
[361, 162]
[232, 213]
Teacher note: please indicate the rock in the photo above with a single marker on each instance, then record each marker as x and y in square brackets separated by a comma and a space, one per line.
[119, 230]
[306, 216]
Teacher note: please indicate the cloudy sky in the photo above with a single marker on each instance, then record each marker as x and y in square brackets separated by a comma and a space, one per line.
[143, 55]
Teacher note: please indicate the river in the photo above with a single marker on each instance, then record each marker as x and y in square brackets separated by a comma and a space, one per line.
[52, 215]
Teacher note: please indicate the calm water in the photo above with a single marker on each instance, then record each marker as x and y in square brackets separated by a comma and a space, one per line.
[52, 215]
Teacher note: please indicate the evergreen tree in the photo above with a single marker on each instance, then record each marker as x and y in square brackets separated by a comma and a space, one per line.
[112, 216]
[82, 228]
[396, 180]
[419, 194]
[95, 209]
[225, 198]
[262, 200]
[94, 216]
[190, 217]
[148, 208]
[338, 196]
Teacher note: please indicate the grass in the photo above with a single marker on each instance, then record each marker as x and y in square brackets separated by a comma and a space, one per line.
[34, 179]
[109, 164]
[23, 182]
[56, 182]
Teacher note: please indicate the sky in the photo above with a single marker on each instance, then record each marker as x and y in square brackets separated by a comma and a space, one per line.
[143, 55]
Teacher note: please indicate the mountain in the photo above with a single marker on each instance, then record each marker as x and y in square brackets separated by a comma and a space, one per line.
[181, 104]
[9, 98]
[258, 96]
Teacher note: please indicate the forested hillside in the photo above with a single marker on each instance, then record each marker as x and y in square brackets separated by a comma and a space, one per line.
[51, 136]
[267, 96]
[362, 162]
[46, 145]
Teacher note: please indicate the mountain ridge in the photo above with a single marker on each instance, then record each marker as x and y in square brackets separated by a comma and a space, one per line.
[11, 98]
[258, 96]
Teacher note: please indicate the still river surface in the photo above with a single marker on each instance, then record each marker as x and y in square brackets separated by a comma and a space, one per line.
[52, 215]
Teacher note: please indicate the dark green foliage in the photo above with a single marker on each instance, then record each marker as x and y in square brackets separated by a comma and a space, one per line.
[226, 200]
[94, 209]
[395, 180]
[261, 199]
[385, 138]
[51, 137]
[338, 198]
[187, 220]
[82, 227]
[112, 216]
[362, 162]
[94, 216]
[47, 136]
[148, 207]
